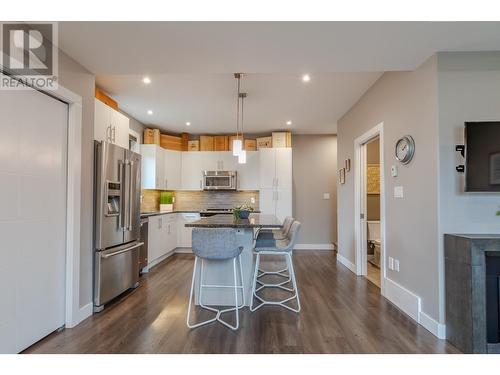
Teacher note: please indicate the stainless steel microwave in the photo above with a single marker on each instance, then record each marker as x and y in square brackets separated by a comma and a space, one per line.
[219, 180]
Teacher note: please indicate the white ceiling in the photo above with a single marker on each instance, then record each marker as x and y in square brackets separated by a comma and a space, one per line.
[191, 66]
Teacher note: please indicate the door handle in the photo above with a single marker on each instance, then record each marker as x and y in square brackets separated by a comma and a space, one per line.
[130, 165]
[106, 256]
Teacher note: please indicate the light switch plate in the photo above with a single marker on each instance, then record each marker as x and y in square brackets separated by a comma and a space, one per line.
[391, 263]
[252, 200]
[398, 192]
[326, 195]
[394, 170]
[396, 265]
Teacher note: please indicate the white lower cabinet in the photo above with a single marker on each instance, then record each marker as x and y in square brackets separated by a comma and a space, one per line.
[183, 233]
[162, 236]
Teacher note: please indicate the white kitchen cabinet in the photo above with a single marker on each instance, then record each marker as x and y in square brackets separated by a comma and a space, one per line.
[192, 166]
[283, 199]
[172, 169]
[161, 169]
[183, 233]
[162, 236]
[152, 168]
[248, 174]
[110, 125]
[157, 237]
[276, 182]
[267, 168]
[275, 168]
[283, 168]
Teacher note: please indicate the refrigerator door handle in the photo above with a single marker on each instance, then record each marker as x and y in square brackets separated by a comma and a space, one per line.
[106, 256]
[121, 176]
[130, 165]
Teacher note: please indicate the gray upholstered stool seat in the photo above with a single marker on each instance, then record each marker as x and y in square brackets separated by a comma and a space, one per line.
[281, 247]
[268, 237]
[216, 244]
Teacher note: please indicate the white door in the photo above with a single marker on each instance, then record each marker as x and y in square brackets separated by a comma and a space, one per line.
[267, 168]
[33, 154]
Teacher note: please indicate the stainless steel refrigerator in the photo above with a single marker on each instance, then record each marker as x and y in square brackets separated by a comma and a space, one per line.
[117, 189]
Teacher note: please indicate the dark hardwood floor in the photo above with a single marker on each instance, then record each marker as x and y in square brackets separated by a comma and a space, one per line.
[341, 313]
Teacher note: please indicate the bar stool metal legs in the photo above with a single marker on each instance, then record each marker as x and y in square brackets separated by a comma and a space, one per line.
[218, 312]
[288, 273]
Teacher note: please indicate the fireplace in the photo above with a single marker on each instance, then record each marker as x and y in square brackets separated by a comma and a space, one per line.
[493, 299]
[472, 278]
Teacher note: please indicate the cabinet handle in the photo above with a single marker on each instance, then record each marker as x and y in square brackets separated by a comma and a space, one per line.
[166, 183]
[277, 182]
[114, 134]
[108, 131]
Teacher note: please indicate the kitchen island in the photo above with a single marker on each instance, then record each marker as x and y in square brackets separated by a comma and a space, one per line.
[221, 272]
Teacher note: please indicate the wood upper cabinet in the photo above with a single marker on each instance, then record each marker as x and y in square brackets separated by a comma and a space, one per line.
[110, 125]
[206, 143]
[221, 143]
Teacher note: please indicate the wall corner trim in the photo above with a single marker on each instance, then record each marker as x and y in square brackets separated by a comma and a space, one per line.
[346, 262]
[314, 246]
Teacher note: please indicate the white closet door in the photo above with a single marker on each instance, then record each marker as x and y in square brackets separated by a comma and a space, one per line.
[33, 158]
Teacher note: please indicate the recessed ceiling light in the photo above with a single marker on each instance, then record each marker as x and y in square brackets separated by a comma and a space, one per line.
[306, 78]
[289, 122]
[146, 80]
[150, 112]
[188, 123]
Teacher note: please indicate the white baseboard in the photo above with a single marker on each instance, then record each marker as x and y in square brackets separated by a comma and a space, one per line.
[82, 314]
[314, 246]
[434, 327]
[183, 250]
[346, 262]
[402, 298]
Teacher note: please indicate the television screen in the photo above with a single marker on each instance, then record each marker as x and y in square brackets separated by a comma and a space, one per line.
[482, 156]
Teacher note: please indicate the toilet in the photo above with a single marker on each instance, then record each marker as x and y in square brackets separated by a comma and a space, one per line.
[373, 238]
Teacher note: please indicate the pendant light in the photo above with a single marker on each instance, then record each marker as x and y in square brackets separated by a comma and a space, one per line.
[237, 143]
[242, 157]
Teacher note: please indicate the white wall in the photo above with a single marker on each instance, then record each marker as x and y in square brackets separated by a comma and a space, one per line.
[469, 90]
[406, 102]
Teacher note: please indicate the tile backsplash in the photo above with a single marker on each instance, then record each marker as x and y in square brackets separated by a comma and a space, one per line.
[199, 200]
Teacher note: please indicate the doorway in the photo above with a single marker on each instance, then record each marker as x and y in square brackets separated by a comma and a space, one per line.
[369, 206]
[372, 211]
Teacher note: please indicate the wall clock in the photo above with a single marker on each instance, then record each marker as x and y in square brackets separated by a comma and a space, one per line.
[405, 149]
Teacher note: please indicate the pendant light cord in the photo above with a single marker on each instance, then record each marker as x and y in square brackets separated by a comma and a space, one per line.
[238, 106]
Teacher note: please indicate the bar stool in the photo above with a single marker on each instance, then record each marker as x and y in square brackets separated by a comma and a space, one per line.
[281, 247]
[214, 244]
[268, 236]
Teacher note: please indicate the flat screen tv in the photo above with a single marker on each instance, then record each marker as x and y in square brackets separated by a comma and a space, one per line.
[482, 156]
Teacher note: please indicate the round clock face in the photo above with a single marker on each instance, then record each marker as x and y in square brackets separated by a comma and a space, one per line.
[405, 148]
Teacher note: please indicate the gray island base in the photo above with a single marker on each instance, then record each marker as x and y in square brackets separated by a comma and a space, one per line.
[221, 272]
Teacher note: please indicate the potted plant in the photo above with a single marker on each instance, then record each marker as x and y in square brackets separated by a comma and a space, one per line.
[243, 211]
[166, 201]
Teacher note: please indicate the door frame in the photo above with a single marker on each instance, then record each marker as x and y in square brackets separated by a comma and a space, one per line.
[73, 313]
[360, 202]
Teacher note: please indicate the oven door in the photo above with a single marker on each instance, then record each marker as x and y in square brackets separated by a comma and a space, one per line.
[219, 180]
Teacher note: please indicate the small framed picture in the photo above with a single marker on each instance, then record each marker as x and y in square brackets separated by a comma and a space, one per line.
[347, 165]
[342, 176]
